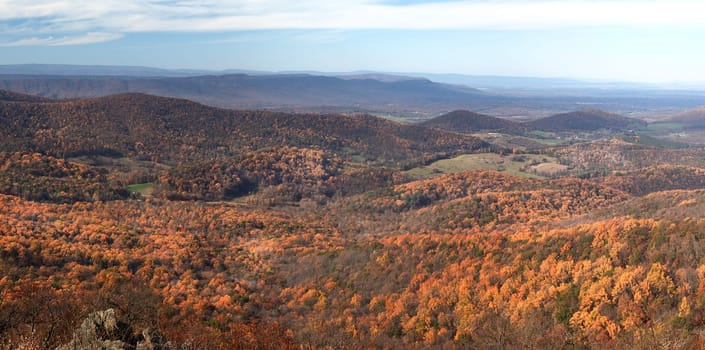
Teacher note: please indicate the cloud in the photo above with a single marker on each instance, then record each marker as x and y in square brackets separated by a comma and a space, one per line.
[113, 16]
[89, 38]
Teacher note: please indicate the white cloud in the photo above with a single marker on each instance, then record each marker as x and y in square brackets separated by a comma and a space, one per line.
[122, 16]
[89, 38]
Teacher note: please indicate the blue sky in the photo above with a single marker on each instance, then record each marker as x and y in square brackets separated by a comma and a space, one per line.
[632, 40]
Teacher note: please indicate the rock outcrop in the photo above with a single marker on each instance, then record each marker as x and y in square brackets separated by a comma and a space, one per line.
[102, 330]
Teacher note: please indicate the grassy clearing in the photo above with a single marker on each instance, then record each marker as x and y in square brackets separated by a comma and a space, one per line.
[550, 142]
[145, 189]
[546, 138]
[399, 119]
[549, 168]
[533, 140]
[510, 164]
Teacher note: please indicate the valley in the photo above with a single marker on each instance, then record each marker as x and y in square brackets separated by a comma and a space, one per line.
[352, 175]
[248, 228]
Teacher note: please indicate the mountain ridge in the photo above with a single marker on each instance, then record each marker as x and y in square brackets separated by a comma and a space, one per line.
[243, 91]
[10, 96]
[151, 127]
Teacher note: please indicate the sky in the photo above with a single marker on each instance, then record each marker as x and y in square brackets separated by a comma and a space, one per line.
[617, 40]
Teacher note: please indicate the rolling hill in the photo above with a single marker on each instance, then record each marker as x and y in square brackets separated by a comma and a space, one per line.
[170, 130]
[587, 120]
[18, 97]
[304, 233]
[657, 178]
[694, 118]
[618, 155]
[467, 122]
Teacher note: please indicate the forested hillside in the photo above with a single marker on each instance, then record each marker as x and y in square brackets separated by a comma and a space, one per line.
[169, 130]
[289, 231]
[593, 283]
[468, 122]
[586, 120]
[694, 118]
[14, 96]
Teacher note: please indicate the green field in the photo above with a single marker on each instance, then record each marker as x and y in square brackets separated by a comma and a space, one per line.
[533, 140]
[546, 138]
[145, 189]
[549, 141]
[510, 164]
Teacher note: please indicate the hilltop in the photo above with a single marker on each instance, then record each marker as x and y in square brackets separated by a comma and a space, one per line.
[694, 118]
[169, 130]
[468, 122]
[587, 120]
[18, 97]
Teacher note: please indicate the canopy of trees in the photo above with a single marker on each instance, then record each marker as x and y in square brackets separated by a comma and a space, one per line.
[283, 231]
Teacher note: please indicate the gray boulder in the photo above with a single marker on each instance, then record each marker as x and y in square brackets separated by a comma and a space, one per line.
[102, 331]
[96, 332]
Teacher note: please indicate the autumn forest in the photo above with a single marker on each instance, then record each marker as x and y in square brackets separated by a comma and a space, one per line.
[264, 229]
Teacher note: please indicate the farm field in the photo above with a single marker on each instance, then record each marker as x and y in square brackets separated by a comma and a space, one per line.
[524, 165]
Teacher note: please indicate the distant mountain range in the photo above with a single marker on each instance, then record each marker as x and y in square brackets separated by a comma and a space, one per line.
[480, 81]
[415, 96]
[95, 70]
[406, 97]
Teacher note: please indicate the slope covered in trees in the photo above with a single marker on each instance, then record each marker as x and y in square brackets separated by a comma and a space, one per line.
[44, 178]
[604, 156]
[297, 172]
[694, 118]
[472, 201]
[469, 122]
[169, 130]
[282, 175]
[587, 120]
[657, 178]
[618, 282]
[18, 97]
[275, 230]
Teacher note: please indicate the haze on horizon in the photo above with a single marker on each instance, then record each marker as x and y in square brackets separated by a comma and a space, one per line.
[627, 40]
